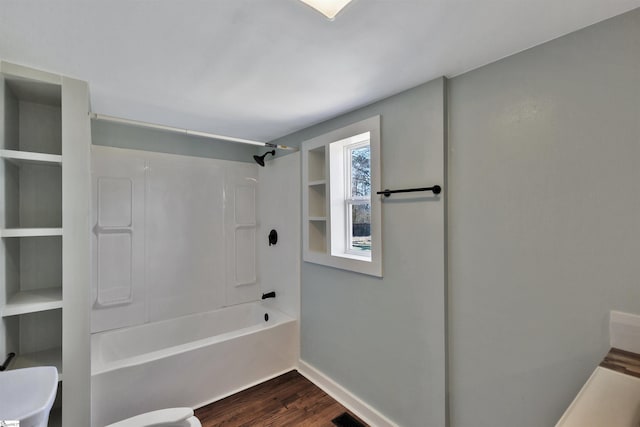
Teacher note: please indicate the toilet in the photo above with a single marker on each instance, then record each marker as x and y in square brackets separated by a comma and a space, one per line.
[27, 395]
[173, 417]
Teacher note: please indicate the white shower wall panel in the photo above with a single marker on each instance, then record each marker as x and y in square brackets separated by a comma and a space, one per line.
[118, 291]
[185, 259]
[173, 235]
[279, 209]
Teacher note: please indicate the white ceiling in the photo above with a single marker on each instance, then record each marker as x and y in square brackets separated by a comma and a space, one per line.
[261, 69]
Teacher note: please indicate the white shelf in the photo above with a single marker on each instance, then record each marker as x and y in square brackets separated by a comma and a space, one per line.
[317, 182]
[30, 232]
[33, 301]
[21, 157]
[50, 357]
[317, 218]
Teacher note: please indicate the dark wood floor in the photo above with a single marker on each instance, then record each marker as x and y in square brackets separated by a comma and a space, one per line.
[622, 361]
[288, 400]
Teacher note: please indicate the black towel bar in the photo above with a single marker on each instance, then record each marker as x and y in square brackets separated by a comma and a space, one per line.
[436, 189]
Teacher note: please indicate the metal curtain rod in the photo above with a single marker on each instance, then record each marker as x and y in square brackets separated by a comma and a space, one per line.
[187, 132]
[436, 190]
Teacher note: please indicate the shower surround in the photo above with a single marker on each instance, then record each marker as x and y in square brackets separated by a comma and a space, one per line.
[180, 261]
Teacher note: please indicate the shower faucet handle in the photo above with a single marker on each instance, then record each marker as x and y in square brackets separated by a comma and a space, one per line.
[271, 294]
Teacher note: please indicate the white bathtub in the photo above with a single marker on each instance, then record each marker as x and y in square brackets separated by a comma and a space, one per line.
[189, 361]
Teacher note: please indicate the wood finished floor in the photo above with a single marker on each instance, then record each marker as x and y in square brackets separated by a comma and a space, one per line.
[288, 400]
[622, 361]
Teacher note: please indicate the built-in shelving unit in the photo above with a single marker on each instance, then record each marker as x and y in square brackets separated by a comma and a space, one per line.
[315, 200]
[31, 295]
[45, 140]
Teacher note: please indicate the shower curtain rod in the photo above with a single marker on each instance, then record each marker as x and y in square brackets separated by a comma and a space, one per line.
[187, 132]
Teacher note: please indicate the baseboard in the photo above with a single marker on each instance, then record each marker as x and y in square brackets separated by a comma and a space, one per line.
[347, 399]
[624, 331]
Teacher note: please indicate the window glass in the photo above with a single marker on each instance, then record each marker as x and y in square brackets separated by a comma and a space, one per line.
[360, 239]
[361, 171]
[358, 200]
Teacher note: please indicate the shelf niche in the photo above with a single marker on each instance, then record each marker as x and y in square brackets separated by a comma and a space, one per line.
[36, 339]
[33, 116]
[317, 200]
[32, 194]
[33, 265]
[316, 164]
[318, 235]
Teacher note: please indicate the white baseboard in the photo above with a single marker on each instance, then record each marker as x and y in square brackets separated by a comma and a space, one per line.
[624, 331]
[366, 413]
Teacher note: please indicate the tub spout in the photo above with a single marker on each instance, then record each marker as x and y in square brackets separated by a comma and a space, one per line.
[271, 294]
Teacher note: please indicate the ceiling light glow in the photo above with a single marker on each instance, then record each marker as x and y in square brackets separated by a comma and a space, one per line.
[329, 8]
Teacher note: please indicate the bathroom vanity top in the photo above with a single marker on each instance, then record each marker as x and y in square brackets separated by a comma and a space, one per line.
[610, 397]
[622, 361]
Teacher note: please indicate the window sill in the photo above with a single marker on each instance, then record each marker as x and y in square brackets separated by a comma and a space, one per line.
[353, 256]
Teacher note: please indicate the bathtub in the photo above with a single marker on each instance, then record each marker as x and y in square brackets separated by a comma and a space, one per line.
[189, 361]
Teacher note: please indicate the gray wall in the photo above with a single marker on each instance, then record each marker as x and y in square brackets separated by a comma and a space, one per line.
[544, 173]
[137, 138]
[384, 339]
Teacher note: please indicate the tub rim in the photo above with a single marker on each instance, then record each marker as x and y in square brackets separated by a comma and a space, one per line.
[99, 367]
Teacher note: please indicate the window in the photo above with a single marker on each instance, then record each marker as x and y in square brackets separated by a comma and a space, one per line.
[358, 200]
[350, 174]
[343, 216]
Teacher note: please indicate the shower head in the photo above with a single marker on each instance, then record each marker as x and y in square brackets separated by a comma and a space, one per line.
[260, 159]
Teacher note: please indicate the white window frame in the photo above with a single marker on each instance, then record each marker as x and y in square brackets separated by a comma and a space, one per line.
[337, 252]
